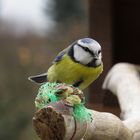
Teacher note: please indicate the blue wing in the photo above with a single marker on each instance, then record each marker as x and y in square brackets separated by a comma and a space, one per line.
[59, 57]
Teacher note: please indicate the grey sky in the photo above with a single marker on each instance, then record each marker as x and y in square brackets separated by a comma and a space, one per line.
[26, 14]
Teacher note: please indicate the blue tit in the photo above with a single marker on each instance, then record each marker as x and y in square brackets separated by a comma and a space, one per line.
[78, 65]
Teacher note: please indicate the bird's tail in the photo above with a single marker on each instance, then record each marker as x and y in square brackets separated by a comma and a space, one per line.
[39, 79]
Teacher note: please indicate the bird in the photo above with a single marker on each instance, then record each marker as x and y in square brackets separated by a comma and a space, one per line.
[78, 65]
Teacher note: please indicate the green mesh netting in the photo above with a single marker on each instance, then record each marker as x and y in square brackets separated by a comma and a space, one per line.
[81, 113]
[48, 93]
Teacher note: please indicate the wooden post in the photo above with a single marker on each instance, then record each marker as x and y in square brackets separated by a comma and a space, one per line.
[55, 121]
[100, 28]
[52, 123]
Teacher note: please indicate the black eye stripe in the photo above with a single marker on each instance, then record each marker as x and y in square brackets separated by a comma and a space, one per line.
[86, 49]
[99, 51]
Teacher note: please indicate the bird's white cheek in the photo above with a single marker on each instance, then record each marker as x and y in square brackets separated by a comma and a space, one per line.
[84, 58]
[81, 56]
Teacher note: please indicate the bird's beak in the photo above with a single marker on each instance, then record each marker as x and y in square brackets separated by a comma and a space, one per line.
[95, 58]
[97, 61]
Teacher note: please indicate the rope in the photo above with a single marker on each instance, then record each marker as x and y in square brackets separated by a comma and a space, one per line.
[74, 133]
[74, 129]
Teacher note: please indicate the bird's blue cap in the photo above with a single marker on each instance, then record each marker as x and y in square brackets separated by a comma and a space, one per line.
[87, 40]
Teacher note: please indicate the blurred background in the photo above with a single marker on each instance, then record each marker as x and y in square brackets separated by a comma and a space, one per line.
[32, 32]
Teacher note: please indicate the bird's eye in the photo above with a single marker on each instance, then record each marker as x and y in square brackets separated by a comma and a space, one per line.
[99, 51]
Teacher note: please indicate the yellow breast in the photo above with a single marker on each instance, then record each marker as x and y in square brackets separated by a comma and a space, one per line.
[70, 72]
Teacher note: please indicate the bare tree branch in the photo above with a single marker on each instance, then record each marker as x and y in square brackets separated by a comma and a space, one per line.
[56, 121]
[123, 80]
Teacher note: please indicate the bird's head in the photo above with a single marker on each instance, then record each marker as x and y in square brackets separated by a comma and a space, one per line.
[86, 51]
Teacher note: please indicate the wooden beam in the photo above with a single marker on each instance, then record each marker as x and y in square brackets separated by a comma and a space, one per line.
[100, 28]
